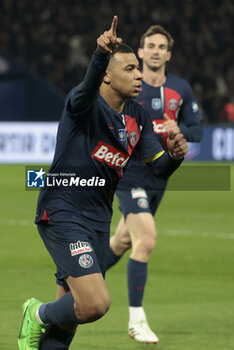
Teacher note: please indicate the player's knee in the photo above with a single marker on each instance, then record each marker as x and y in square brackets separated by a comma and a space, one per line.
[92, 310]
[147, 242]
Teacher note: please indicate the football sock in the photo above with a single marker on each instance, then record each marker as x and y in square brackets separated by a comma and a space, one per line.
[55, 338]
[136, 314]
[137, 276]
[112, 258]
[59, 312]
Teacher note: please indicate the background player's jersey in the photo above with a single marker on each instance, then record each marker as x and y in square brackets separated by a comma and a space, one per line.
[176, 99]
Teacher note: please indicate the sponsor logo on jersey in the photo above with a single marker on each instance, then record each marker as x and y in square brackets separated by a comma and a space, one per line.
[138, 193]
[36, 178]
[156, 103]
[110, 155]
[172, 104]
[122, 135]
[194, 107]
[133, 138]
[86, 261]
[143, 203]
[80, 247]
[158, 126]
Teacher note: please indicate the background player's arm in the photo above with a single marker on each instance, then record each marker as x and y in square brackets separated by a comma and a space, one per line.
[190, 119]
[86, 92]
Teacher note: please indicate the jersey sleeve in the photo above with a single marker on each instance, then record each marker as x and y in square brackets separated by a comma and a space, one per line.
[163, 165]
[83, 96]
[190, 119]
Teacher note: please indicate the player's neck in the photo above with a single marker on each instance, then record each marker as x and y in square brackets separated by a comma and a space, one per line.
[114, 101]
[154, 78]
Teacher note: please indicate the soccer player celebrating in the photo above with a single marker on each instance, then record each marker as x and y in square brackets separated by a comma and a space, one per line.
[99, 130]
[172, 106]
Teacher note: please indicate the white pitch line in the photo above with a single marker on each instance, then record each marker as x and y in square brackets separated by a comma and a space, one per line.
[189, 233]
[16, 222]
[185, 233]
[166, 232]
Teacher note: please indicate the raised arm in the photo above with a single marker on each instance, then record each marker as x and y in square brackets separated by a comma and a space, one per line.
[87, 91]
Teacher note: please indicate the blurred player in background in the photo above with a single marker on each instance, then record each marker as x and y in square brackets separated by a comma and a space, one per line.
[96, 136]
[172, 106]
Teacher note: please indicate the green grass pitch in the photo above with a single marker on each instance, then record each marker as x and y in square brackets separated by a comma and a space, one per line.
[189, 298]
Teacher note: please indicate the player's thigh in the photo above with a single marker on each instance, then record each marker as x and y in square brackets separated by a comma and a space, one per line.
[141, 227]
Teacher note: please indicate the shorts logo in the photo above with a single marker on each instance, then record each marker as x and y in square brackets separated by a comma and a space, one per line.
[143, 203]
[133, 138]
[138, 193]
[122, 135]
[80, 247]
[172, 104]
[36, 178]
[110, 155]
[156, 104]
[86, 261]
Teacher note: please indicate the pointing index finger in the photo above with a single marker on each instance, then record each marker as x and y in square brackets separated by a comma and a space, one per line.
[114, 25]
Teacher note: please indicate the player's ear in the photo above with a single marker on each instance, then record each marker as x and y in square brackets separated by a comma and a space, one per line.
[140, 52]
[106, 78]
[168, 56]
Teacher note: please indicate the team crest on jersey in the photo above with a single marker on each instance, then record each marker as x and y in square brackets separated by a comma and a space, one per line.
[122, 135]
[86, 261]
[143, 203]
[133, 138]
[156, 103]
[172, 104]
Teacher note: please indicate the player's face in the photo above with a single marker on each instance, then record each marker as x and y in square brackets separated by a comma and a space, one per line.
[124, 75]
[155, 52]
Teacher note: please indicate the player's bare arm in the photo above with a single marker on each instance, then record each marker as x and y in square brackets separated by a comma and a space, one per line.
[108, 41]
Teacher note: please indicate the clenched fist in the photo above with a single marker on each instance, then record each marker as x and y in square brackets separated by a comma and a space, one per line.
[177, 145]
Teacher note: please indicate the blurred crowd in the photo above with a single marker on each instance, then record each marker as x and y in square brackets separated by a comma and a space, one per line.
[57, 38]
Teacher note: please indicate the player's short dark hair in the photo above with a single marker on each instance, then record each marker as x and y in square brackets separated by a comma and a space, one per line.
[157, 29]
[122, 48]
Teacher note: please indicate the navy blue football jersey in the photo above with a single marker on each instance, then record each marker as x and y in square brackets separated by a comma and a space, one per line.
[93, 146]
[176, 99]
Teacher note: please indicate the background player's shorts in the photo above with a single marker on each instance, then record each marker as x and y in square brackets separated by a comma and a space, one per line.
[76, 250]
[139, 200]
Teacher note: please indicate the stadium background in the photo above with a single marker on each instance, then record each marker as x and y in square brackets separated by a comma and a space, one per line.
[45, 47]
